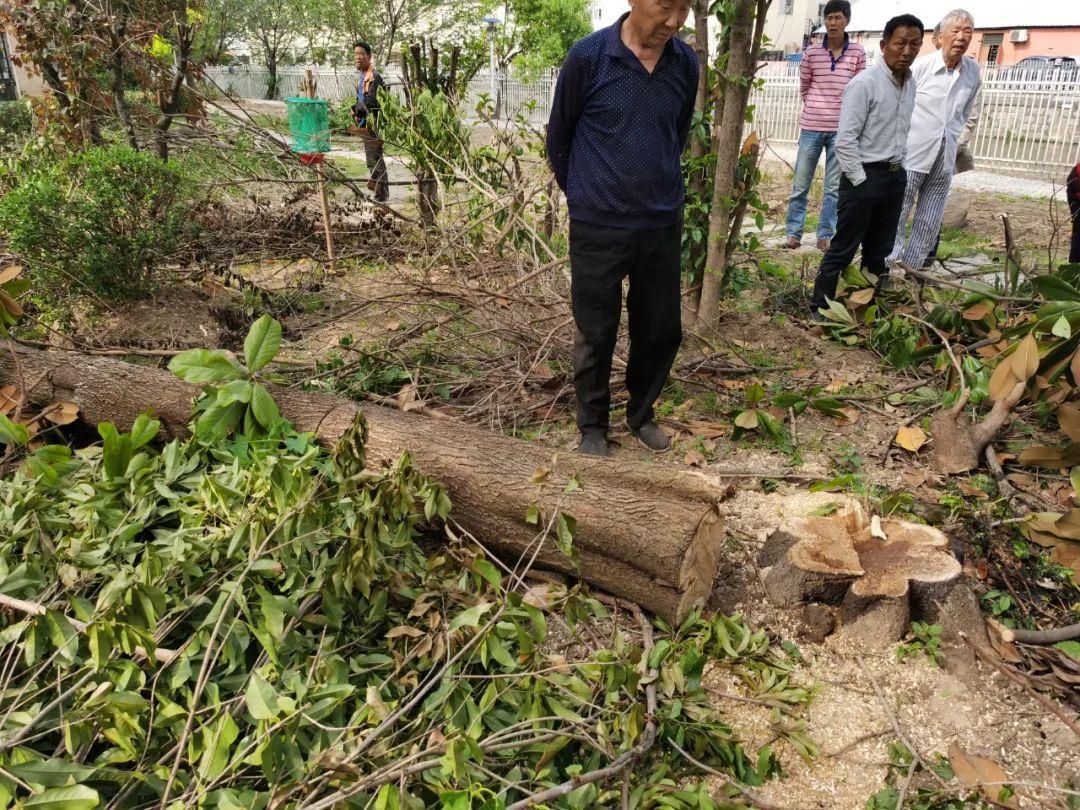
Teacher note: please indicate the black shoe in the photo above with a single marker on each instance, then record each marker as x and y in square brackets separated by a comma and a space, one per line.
[381, 198]
[882, 285]
[594, 443]
[653, 437]
[817, 317]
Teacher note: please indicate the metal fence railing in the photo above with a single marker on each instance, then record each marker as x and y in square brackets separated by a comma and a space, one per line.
[1030, 123]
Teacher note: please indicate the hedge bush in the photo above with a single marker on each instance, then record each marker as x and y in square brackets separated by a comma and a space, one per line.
[101, 220]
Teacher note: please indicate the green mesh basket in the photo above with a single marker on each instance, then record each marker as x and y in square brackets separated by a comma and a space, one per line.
[309, 124]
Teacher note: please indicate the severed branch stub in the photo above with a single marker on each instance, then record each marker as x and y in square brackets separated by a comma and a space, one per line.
[958, 442]
[881, 572]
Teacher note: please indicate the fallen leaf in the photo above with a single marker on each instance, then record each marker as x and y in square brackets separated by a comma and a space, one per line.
[9, 399]
[910, 438]
[861, 298]
[694, 458]
[1022, 480]
[972, 492]
[1025, 360]
[747, 420]
[749, 144]
[914, 478]
[10, 304]
[1002, 380]
[392, 326]
[1075, 366]
[1069, 419]
[404, 630]
[976, 312]
[9, 272]
[61, 413]
[850, 417]
[975, 772]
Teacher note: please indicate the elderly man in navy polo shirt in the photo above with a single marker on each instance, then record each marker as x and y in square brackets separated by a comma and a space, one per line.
[620, 118]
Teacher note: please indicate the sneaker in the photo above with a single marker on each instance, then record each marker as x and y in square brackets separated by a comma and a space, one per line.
[594, 443]
[792, 243]
[653, 437]
[823, 244]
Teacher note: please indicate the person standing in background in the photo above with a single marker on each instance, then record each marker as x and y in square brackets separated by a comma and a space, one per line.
[1072, 191]
[871, 143]
[366, 113]
[824, 72]
[947, 85]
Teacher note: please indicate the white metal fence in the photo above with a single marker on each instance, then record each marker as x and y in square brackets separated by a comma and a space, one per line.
[1030, 123]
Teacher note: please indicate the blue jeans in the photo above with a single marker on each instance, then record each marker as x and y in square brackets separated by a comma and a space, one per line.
[810, 145]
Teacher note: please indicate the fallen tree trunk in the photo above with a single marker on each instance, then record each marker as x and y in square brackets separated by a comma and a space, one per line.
[649, 533]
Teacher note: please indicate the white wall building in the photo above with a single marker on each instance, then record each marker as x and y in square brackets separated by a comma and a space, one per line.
[789, 21]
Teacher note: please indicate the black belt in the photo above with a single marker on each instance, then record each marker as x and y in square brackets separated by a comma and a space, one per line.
[884, 165]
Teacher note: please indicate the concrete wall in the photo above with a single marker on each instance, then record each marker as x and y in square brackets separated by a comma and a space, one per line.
[786, 24]
[25, 83]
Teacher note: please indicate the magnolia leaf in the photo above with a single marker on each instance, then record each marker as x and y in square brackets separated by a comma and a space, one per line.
[263, 407]
[11, 305]
[910, 438]
[203, 366]
[10, 272]
[144, 430]
[1074, 366]
[61, 413]
[976, 772]
[261, 698]
[747, 420]
[861, 298]
[1025, 360]
[1003, 380]
[72, 797]
[1051, 457]
[1069, 419]
[1062, 328]
[262, 343]
[976, 312]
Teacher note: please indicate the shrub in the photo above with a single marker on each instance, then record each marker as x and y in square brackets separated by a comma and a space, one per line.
[16, 121]
[101, 220]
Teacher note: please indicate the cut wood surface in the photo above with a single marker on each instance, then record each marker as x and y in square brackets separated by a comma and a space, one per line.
[650, 533]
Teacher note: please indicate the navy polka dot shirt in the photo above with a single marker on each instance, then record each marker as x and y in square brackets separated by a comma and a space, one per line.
[616, 133]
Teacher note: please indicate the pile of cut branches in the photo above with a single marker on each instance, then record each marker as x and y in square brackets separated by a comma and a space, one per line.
[243, 619]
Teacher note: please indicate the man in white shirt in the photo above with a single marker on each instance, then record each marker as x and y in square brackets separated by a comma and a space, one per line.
[946, 91]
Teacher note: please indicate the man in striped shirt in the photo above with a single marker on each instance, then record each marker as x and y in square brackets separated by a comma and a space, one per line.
[825, 70]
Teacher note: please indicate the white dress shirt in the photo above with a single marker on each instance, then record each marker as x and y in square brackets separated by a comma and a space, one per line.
[874, 116]
[944, 102]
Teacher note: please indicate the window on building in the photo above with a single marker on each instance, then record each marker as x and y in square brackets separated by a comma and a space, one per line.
[787, 6]
[7, 74]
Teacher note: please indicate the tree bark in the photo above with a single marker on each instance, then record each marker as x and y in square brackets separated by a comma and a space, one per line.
[743, 37]
[645, 532]
[117, 33]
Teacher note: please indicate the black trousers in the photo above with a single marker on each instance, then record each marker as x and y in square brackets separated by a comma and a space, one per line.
[373, 156]
[1072, 191]
[866, 215]
[600, 258]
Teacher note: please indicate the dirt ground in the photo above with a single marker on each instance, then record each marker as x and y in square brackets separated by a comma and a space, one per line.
[861, 704]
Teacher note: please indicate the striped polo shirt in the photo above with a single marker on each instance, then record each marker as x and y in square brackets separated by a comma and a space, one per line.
[822, 80]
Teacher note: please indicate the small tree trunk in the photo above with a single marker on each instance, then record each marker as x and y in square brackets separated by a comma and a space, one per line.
[731, 116]
[271, 69]
[117, 31]
[428, 190]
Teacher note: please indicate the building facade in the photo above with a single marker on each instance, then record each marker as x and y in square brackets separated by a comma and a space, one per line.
[15, 82]
[1005, 32]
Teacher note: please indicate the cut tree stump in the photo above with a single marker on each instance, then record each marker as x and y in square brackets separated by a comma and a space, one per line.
[649, 533]
[881, 572]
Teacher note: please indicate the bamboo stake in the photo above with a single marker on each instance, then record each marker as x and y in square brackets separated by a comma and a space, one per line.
[323, 200]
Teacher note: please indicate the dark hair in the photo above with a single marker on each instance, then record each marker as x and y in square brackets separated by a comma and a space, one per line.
[902, 21]
[361, 44]
[833, 6]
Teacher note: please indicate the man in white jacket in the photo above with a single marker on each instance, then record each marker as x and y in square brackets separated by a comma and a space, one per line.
[947, 87]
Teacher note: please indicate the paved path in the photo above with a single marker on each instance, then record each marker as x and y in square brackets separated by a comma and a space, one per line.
[977, 180]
